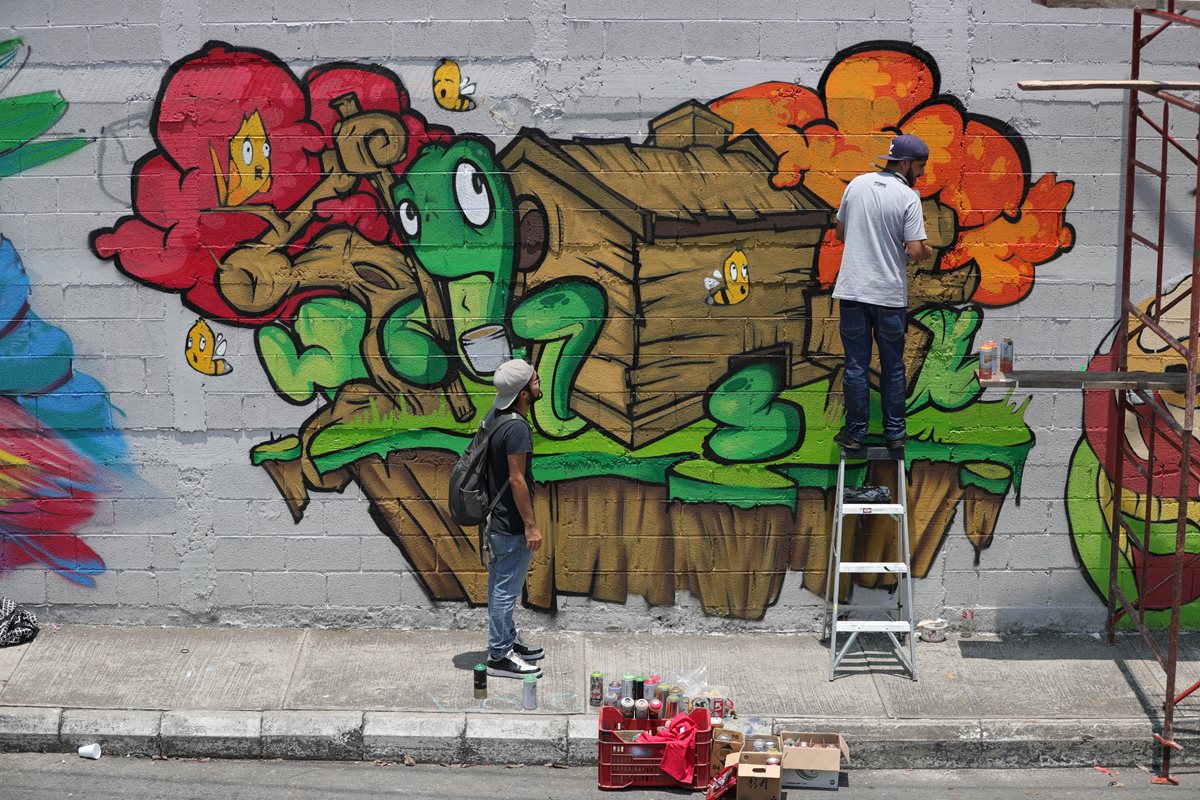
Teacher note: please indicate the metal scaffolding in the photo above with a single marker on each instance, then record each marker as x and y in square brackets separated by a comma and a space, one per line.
[1151, 104]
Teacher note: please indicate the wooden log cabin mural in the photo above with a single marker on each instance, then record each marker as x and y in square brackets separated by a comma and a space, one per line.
[673, 292]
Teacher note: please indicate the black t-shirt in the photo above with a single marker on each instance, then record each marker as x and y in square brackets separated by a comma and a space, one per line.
[512, 438]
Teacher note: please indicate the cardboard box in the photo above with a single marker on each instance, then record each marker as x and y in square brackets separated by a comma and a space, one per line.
[773, 741]
[722, 750]
[756, 779]
[813, 767]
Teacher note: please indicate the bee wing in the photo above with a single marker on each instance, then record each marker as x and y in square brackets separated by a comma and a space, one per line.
[221, 343]
[466, 89]
[711, 283]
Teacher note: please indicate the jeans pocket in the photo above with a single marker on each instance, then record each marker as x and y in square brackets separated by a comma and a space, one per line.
[852, 322]
[892, 324]
[503, 545]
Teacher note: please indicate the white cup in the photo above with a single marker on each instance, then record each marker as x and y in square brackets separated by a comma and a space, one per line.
[90, 751]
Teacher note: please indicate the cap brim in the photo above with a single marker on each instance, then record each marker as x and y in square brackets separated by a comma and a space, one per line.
[504, 401]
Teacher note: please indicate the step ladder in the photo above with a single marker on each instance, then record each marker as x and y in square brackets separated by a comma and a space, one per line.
[898, 618]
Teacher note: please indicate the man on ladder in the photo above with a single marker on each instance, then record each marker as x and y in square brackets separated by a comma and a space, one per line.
[881, 223]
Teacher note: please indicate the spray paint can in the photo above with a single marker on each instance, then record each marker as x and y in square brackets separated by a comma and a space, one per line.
[626, 686]
[672, 705]
[596, 690]
[529, 693]
[650, 686]
[614, 689]
[639, 687]
[661, 691]
[480, 673]
[988, 362]
[656, 708]
[641, 709]
[627, 707]
[1006, 355]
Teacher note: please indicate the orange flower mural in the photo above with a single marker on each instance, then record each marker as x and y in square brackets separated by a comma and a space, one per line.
[978, 168]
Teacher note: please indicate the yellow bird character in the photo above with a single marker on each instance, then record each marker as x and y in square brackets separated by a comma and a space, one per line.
[451, 90]
[733, 285]
[203, 348]
[249, 170]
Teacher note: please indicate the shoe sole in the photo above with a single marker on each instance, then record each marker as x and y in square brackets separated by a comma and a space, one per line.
[499, 673]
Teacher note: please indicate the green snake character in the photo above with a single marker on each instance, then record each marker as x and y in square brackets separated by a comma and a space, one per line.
[456, 209]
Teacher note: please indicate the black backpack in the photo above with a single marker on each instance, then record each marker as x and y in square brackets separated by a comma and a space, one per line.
[471, 499]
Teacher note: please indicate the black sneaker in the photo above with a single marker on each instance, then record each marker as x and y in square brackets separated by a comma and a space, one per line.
[527, 651]
[512, 666]
[847, 441]
[897, 444]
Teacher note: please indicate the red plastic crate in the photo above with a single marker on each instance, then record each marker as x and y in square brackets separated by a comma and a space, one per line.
[620, 768]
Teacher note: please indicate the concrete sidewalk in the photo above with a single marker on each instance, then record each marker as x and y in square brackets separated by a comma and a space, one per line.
[989, 701]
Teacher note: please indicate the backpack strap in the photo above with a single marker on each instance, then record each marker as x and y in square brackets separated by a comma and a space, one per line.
[497, 424]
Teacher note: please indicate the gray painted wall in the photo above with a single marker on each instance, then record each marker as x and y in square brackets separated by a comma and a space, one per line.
[200, 536]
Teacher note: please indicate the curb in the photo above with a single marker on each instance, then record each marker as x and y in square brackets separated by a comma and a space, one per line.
[557, 738]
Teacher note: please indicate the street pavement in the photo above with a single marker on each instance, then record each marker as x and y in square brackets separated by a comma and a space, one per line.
[53, 777]
[989, 701]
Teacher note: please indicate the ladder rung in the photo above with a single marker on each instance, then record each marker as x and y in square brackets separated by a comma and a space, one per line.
[872, 626]
[874, 566]
[872, 508]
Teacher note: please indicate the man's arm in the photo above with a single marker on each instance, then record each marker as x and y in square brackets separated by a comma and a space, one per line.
[917, 250]
[840, 232]
[520, 493]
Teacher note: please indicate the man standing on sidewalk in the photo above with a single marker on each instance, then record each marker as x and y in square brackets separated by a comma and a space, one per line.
[513, 535]
[881, 223]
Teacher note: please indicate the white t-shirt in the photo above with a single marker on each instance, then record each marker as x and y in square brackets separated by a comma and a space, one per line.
[881, 212]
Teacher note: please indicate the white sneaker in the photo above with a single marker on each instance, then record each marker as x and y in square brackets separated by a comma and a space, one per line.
[512, 666]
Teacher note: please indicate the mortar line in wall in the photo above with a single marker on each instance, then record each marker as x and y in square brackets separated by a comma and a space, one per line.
[297, 653]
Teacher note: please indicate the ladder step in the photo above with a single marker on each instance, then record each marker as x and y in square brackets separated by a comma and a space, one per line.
[872, 626]
[874, 566]
[872, 508]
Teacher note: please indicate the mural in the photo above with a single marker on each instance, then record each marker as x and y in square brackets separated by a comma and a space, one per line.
[674, 295]
[451, 89]
[57, 439]
[1151, 477]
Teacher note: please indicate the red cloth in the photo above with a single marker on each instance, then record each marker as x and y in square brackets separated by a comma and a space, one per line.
[679, 755]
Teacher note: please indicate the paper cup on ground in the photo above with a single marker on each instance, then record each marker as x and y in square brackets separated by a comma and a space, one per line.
[486, 347]
[90, 751]
[932, 630]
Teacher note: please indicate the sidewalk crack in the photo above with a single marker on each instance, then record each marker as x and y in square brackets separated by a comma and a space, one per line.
[296, 654]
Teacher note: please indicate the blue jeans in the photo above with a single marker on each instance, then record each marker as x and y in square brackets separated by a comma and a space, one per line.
[506, 577]
[858, 322]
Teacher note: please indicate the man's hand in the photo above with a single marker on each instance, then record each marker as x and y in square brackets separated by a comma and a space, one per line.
[533, 537]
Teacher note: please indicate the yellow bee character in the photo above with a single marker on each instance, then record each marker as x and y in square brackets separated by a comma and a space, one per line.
[451, 90]
[249, 163]
[732, 286]
[203, 349]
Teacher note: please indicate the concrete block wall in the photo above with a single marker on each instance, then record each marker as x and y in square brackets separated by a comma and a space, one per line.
[191, 532]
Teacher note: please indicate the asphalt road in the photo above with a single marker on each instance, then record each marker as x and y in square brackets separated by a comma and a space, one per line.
[41, 777]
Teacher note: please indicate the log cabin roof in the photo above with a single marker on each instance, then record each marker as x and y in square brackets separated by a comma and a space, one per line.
[665, 192]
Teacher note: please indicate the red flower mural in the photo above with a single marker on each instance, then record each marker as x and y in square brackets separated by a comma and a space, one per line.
[240, 140]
